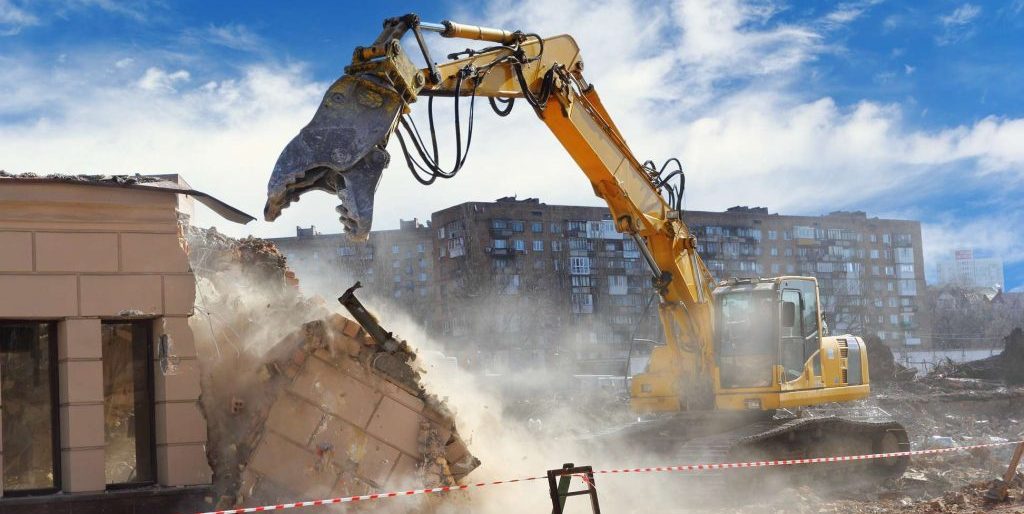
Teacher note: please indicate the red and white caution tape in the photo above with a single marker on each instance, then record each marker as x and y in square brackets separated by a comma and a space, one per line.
[813, 460]
[685, 467]
[366, 497]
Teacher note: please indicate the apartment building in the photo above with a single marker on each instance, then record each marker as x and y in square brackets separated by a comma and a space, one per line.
[519, 283]
[395, 267]
[870, 271]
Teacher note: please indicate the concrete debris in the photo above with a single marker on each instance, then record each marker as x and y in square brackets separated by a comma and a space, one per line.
[1008, 366]
[884, 368]
[68, 177]
[300, 401]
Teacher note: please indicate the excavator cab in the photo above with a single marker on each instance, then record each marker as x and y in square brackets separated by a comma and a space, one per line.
[772, 350]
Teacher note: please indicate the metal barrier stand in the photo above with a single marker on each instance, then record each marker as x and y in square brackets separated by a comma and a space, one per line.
[560, 489]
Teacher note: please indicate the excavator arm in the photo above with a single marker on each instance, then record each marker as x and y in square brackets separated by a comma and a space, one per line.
[342, 151]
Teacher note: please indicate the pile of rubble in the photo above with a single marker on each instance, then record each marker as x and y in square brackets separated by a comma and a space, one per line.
[298, 404]
[1008, 366]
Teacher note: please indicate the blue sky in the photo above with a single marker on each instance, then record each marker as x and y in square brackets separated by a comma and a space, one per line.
[901, 109]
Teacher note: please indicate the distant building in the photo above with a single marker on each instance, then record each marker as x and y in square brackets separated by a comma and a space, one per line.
[870, 271]
[395, 265]
[519, 283]
[967, 269]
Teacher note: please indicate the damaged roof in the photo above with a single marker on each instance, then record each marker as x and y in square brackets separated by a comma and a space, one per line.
[162, 183]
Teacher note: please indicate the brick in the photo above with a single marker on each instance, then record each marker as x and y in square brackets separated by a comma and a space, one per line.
[82, 470]
[38, 296]
[17, 251]
[183, 343]
[396, 425]
[152, 252]
[81, 382]
[294, 418]
[336, 393]
[351, 328]
[79, 339]
[405, 475]
[179, 295]
[377, 462]
[109, 295]
[349, 485]
[402, 396]
[347, 440]
[289, 465]
[182, 464]
[180, 422]
[181, 386]
[69, 251]
[81, 426]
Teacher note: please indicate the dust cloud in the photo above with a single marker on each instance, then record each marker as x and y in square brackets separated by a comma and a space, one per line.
[520, 425]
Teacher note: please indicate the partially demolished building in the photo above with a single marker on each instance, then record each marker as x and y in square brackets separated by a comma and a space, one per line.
[123, 392]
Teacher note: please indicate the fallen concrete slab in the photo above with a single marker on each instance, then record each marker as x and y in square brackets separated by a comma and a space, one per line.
[296, 398]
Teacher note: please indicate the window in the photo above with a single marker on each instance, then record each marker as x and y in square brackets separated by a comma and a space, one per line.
[773, 235]
[422, 277]
[394, 249]
[28, 371]
[538, 246]
[874, 254]
[804, 232]
[500, 244]
[420, 248]
[617, 284]
[537, 227]
[346, 251]
[520, 245]
[556, 246]
[516, 226]
[789, 252]
[555, 228]
[579, 265]
[775, 252]
[128, 402]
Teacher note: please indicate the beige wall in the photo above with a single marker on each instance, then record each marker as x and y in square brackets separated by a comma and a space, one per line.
[81, 254]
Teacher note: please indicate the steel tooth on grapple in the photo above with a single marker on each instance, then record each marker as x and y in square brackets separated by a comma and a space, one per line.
[340, 151]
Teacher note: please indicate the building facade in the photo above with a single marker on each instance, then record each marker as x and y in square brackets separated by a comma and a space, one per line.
[514, 283]
[95, 295]
[870, 271]
[966, 268]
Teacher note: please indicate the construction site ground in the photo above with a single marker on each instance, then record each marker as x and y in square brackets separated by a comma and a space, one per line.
[939, 411]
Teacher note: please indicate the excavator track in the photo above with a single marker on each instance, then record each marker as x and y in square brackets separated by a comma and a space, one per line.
[797, 438]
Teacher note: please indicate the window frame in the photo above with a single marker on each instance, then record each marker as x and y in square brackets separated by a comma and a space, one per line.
[55, 442]
[150, 403]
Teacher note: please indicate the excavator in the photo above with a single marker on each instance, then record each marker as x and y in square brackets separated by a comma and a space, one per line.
[747, 370]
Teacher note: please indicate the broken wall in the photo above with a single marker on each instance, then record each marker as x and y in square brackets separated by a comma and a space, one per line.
[300, 402]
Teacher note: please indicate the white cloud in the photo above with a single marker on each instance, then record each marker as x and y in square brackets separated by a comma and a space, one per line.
[134, 9]
[958, 25]
[13, 18]
[908, 69]
[124, 63]
[158, 79]
[961, 15]
[233, 35]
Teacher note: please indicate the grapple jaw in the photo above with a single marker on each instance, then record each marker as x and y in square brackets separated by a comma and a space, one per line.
[340, 151]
